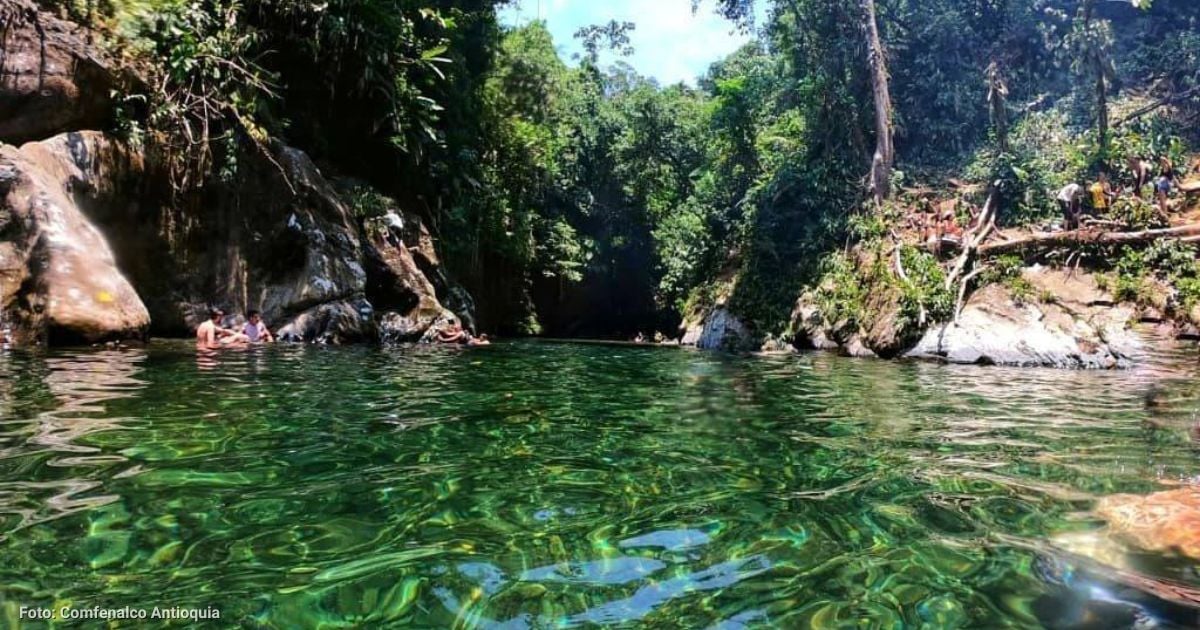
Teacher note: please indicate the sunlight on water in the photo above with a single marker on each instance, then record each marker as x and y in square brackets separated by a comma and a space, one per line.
[542, 485]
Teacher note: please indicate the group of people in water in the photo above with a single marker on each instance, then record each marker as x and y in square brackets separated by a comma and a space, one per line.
[1101, 193]
[212, 332]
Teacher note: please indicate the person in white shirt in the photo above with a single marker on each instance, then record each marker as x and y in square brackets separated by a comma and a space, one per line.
[255, 330]
[1069, 199]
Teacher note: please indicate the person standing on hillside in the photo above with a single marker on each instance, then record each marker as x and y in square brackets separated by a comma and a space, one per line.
[1166, 168]
[1102, 193]
[1068, 200]
[1162, 191]
[1141, 169]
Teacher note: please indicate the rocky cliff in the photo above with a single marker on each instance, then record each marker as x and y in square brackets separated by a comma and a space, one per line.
[97, 242]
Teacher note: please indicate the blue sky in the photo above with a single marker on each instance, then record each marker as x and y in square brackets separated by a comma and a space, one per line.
[671, 43]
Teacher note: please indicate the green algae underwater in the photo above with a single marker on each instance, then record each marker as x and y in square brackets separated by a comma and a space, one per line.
[540, 485]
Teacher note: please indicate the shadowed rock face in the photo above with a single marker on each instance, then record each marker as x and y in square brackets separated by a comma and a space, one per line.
[277, 239]
[406, 298]
[59, 280]
[340, 322]
[52, 79]
[96, 243]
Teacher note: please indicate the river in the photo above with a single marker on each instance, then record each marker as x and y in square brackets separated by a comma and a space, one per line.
[530, 485]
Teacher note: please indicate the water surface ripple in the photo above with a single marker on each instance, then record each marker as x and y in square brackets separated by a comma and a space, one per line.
[539, 485]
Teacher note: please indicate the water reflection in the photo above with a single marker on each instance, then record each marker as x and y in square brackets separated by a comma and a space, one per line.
[535, 485]
[79, 391]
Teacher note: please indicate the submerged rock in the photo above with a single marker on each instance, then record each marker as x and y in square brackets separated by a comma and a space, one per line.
[1160, 522]
[1075, 327]
[52, 78]
[59, 280]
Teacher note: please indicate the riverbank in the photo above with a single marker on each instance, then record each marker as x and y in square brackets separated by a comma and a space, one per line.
[933, 276]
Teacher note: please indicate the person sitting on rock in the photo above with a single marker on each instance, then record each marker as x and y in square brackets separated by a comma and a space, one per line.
[211, 334]
[456, 334]
[453, 333]
[255, 330]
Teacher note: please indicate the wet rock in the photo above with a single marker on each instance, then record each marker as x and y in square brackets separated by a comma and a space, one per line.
[406, 299]
[275, 238]
[335, 323]
[1160, 522]
[419, 240]
[881, 337]
[719, 330]
[806, 326]
[883, 330]
[773, 345]
[857, 347]
[59, 279]
[1068, 331]
[52, 77]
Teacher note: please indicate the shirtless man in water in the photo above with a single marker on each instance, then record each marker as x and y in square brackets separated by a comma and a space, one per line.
[211, 334]
[455, 334]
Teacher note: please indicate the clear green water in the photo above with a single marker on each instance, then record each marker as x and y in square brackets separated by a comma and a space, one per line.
[540, 485]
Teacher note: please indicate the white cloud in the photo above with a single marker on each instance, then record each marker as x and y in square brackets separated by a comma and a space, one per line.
[671, 42]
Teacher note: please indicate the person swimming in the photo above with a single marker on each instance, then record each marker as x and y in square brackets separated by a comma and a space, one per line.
[211, 334]
[255, 330]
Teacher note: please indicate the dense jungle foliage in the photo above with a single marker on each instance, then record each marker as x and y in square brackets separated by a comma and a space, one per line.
[573, 198]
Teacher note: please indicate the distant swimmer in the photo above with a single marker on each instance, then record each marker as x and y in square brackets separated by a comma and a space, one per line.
[211, 334]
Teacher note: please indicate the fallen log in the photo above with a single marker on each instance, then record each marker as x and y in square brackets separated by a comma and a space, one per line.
[1163, 102]
[1087, 237]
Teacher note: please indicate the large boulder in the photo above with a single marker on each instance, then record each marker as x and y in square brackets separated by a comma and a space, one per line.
[407, 300]
[419, 242]
[274, 236]
[1070, 324]
[335, 323]
[52, 77]
[885, 332]
[720, 329]
[59, 280]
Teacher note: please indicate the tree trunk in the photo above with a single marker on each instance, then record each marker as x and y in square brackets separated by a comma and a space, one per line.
[998, 100]
[1052, 240]
[884, 158]
[1098, 60]
[1102, 104]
